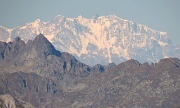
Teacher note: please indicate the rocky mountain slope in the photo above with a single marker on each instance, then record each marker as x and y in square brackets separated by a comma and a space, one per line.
[135, 85]
[99, 40]
[36, 75]
[40, 56]
[39, 74]
[129, 85]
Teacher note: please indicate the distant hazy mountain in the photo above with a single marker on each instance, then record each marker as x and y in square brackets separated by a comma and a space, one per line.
[99, 40]
[36, 75]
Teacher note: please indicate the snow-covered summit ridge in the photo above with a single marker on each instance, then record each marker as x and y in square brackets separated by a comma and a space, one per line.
[100, 39]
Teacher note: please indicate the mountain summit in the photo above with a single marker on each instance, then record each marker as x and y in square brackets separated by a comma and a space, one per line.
[42, 45]
[99, 40]
[39, 56]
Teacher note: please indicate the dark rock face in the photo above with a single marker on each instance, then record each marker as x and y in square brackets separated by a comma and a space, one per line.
[39, 56]
[31, 88]
[44, 47]
[135, 85]
[12, 49]
[43, 77]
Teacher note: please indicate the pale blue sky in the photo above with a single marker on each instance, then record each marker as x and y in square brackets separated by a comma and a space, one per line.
[162, 15]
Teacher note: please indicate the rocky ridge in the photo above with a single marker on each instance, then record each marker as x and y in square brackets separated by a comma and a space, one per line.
[40, 56]
[43, 77]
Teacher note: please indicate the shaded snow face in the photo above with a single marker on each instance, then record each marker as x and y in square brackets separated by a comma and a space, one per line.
[99, 40]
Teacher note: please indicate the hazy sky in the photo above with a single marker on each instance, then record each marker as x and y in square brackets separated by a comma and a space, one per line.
[162, 15]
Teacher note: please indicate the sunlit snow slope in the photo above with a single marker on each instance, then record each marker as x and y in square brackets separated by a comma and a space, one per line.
[101, 39]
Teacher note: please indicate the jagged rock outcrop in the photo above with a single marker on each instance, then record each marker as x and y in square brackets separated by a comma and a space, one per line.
[40, 56]
[31, 88]
[8, 101]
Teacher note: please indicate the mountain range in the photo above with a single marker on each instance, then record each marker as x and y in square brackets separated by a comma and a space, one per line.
[34, 74]
[99, 40]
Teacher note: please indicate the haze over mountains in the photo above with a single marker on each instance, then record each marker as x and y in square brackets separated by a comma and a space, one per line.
[99, 40]
[36, 75]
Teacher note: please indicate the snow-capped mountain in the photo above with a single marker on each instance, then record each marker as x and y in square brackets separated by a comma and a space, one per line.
[99, 40]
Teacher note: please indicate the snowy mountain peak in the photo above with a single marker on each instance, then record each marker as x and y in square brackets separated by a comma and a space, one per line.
[112, 16]
[100, 39]
[80, 17]
[58, 17]
[95, 16]
[37, 20]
